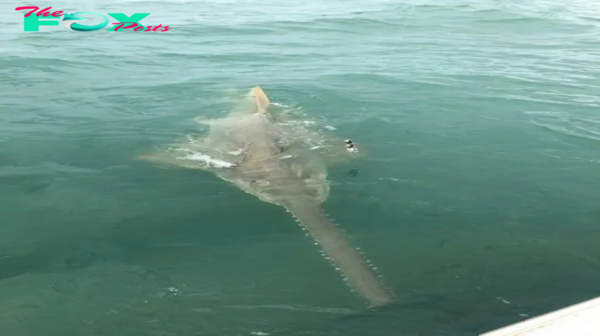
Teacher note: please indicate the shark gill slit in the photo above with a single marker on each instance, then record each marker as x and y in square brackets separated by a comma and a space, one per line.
[356, 271]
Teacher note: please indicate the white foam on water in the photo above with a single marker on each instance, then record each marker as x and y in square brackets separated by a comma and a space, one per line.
[208, 160]
[191, 139]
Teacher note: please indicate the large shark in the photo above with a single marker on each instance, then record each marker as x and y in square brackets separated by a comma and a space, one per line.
[254, 150]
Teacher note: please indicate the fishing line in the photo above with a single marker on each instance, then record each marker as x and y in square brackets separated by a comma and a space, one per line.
[352, 149]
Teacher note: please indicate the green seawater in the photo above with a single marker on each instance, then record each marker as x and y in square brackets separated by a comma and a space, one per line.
[478, 200]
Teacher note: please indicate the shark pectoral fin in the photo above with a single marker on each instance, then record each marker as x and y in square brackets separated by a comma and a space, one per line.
[260, 99]
[205, 121]
[335, 158]
[157, 157]
[337, 153]
[168, 159]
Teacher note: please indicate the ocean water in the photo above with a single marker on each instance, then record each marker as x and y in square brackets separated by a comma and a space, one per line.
[477, 201]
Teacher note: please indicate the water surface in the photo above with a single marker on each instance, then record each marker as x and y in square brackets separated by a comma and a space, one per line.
[478, 200]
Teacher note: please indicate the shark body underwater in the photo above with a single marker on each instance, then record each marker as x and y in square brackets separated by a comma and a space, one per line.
[285, 173]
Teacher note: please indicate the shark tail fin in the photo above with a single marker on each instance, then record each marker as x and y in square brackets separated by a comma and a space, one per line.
[260, 99]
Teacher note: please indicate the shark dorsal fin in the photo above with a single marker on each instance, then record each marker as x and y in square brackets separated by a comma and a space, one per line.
[260, 99]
